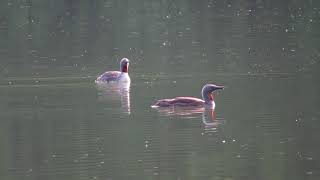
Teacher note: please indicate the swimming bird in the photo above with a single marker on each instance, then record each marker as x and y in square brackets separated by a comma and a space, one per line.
[206, 101]
[116, 76]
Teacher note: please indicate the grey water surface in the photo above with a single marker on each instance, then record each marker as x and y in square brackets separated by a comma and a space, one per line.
[56, 123]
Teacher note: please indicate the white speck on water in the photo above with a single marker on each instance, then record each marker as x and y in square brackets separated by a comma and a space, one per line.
[229, 5]
[102, 162]
[238, 156]
[291, 16]
[223, 141]
[286, 30]
[310, 20]
[10, 83]
[309, 173]
[233, 140]
[309, 158]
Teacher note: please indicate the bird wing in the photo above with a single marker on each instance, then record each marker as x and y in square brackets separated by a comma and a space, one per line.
[109, 76]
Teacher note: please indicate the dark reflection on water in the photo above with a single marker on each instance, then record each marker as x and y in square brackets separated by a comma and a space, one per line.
[56, 123]
[208, 115]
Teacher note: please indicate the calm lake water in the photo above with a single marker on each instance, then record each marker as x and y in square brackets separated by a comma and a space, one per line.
[56, 123]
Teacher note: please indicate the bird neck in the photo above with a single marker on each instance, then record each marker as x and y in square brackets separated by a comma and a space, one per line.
[124, 69]
[208, 97]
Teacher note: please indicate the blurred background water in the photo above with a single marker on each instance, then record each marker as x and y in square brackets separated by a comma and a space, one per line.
[56, 123]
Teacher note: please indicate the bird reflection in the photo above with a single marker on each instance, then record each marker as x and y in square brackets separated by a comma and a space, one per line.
[209, 120]
[115, 92]
[208, 115]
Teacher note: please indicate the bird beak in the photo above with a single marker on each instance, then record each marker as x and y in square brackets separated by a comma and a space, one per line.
[219, 87]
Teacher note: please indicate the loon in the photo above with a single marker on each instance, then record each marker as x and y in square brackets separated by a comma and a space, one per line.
[206, 101]
[116, 76]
